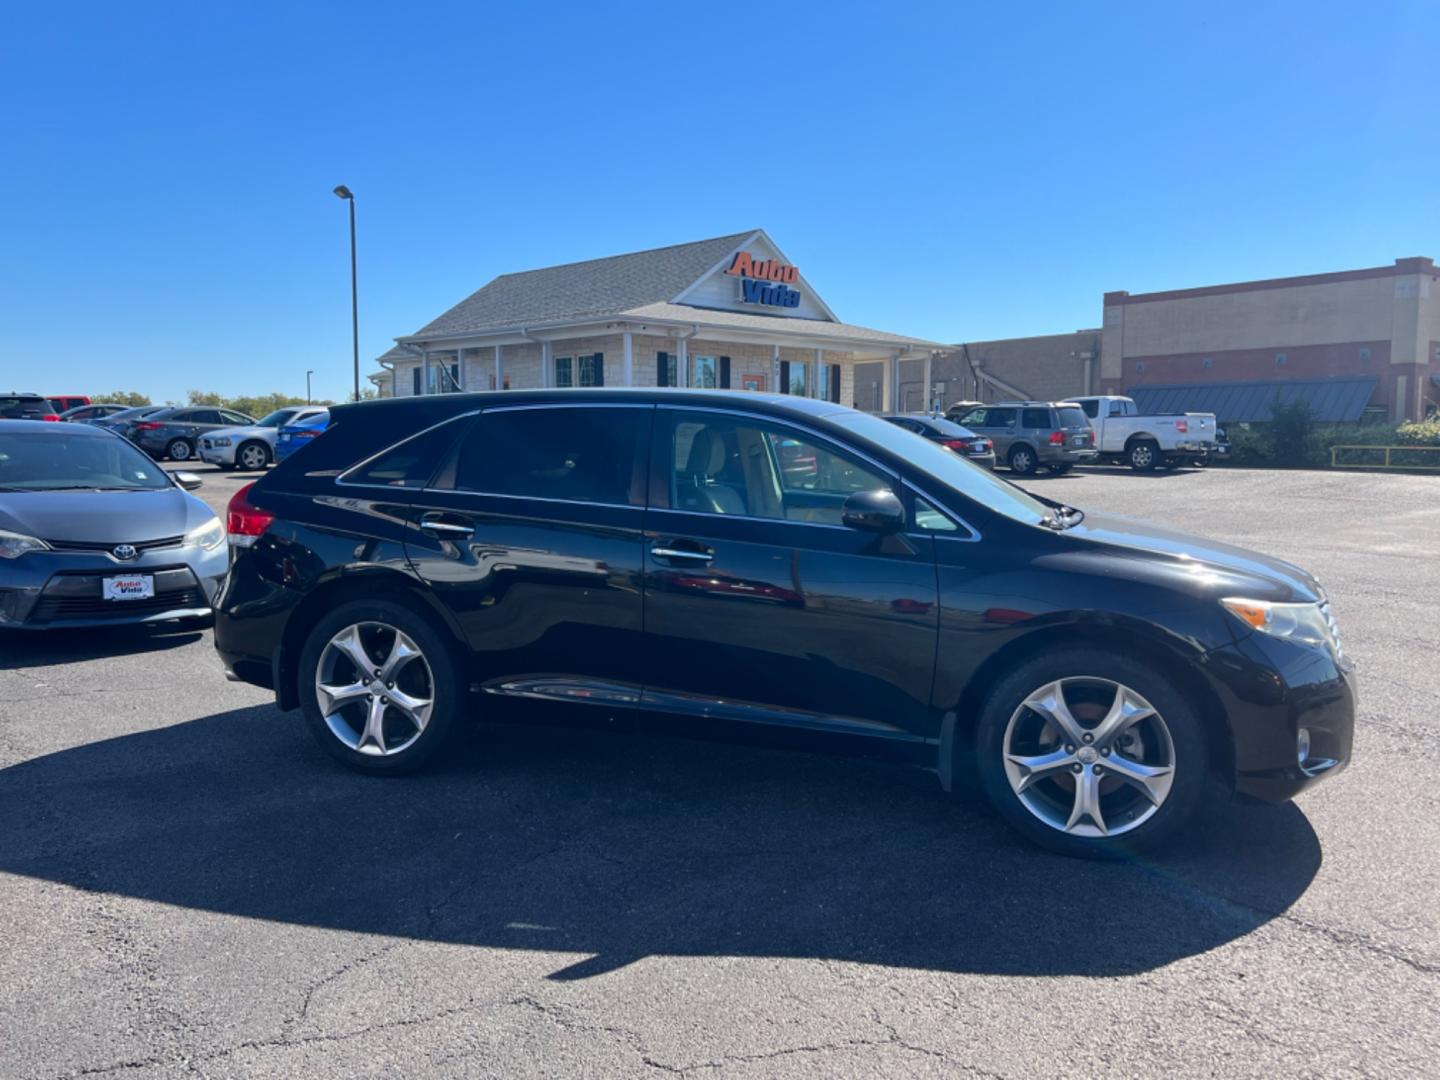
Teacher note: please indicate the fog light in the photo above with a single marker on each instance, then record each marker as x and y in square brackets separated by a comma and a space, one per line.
[1302, 746]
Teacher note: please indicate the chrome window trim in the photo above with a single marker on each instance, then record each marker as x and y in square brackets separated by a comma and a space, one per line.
[524, 498]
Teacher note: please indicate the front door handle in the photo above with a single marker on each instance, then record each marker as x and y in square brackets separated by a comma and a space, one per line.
[683, 550]
[436, 525]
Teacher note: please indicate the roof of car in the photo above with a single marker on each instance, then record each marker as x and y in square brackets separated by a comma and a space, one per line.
[51, 427]
[756, 402]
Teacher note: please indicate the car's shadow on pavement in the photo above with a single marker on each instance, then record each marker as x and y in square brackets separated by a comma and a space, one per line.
[615, 846]
[36, 648]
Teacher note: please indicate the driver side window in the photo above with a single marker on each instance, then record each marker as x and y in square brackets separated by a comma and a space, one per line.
[737, 466]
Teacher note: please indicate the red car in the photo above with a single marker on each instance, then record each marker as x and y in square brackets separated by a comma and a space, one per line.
[64, 402]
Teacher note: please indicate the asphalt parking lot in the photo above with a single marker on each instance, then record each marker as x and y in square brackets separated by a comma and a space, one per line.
[192, 888]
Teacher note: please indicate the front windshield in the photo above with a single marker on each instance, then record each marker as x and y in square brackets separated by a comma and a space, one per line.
[72, 462]
[276, 418]
[951, 469]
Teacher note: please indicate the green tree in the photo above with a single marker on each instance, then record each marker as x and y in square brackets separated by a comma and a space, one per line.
[1291, 434]
[122, 397]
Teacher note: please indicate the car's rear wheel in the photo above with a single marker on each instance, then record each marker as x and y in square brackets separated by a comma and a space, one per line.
[1022, 460]
[379, 687]
[1143, 455]
[252, 456]
[180, 450]
[1091, 753]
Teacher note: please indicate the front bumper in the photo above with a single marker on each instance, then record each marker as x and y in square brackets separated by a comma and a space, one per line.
[53, 590]
[216, 455]
[1269, 689]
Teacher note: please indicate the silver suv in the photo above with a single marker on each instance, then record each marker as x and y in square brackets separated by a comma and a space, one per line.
[1029, 434]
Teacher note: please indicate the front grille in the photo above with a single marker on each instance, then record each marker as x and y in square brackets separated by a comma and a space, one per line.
[55, 608]
[103, 546]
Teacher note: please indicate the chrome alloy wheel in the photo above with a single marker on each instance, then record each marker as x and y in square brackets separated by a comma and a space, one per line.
[1089, 757]
[252, 457]
[375, 688]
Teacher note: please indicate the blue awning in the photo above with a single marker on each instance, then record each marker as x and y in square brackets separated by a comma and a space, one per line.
[1234, 402]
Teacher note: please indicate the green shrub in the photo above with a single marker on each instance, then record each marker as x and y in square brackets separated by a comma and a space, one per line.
[1419, 433]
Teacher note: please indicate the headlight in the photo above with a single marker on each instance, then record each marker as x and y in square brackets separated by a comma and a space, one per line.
[13, 545]
[1307, 623]
[209, 536]
[221, 441]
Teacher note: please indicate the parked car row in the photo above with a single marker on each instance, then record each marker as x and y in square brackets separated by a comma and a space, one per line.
[1058, 435]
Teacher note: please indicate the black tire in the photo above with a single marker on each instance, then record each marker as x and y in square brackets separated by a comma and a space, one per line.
[180, 450]
[1059, 470]
[1143, 455]
[255, 449]
[1022, 460]
[1192, 784]
[447, 687]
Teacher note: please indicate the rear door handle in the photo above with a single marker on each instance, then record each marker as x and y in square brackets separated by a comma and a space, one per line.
[436, 525]
[683, 550]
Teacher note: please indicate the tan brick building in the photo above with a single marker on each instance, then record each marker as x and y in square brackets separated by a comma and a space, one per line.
[1380, 324]
[731, 312]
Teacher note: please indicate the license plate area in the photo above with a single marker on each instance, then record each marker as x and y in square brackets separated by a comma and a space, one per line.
[128, 587]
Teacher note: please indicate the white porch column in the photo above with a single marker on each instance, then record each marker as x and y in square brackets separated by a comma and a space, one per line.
[499, 372]
[460, 368]
[775, 370]
[629, 364]
[816, 390]
[890, 385]
[682, 363]
[929, 392]
[547, 365]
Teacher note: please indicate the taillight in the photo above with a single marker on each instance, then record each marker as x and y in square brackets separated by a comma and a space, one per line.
[961, 446]
[1182, 425]
[50, 416]
[305, 435]
[147, 425]
[245, 523]
[1057, 438]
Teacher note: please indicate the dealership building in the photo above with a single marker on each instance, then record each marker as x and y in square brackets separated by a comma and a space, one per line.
[732, 312]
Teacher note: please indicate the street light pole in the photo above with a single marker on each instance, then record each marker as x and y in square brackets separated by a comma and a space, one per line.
[345, 193]
[309, 400]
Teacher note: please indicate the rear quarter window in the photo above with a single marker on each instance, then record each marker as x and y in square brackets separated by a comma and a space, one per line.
[1035, 418]
[1073, 418]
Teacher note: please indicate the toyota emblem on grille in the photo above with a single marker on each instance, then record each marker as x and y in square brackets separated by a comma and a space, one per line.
[125, 552]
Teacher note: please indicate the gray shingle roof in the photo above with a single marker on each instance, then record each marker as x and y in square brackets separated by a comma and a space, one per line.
[596, 287]
[774, 324]
[1233, 402]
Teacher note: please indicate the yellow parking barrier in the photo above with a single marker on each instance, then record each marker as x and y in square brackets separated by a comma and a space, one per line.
[1431, 465]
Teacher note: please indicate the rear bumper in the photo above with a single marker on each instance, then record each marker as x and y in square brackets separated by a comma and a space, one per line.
[1067, 455]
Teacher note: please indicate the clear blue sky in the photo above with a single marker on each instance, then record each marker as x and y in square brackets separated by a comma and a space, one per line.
[952, 171]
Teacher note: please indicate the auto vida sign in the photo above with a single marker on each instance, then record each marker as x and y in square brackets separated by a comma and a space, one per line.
[765, 281]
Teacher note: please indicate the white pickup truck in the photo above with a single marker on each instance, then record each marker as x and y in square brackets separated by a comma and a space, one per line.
[1148, 442]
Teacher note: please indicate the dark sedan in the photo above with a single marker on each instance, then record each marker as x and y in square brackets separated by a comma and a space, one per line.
[89, 414]
[175, 433]
[1098, 678]
[92, 532]
[949, 435]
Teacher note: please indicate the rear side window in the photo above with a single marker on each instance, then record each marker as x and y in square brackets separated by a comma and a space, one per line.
[575, 454]
[414, 463]
[1073, 418]
[1092, 408]
[1035, 418]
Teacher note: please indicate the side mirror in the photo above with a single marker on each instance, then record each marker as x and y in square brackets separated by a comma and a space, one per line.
[187, 480]
[874, 511]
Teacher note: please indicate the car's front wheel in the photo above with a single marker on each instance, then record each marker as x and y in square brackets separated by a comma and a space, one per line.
[379, 687]
[1091, 753]
[1022, 460]
[253, 456]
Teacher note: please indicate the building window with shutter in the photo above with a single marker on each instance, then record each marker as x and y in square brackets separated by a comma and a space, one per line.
[705, 372]
[592, 369]
[665, 370]
[415, 381]
[564, 371]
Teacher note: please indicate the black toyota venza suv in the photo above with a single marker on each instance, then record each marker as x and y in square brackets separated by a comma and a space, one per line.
[780, 561]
